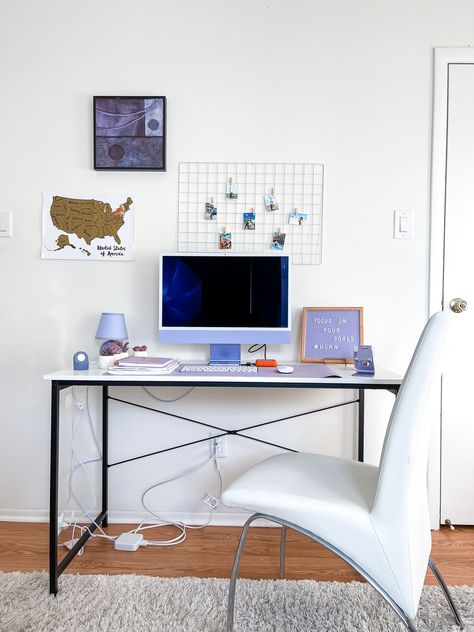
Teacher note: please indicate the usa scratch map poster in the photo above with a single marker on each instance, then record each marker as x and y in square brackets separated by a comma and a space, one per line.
[100, 228]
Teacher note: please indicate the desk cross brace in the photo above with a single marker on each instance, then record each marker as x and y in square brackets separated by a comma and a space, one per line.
[223, 431]
[56, 568]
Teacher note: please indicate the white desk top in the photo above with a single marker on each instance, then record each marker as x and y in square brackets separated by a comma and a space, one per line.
[304, 374]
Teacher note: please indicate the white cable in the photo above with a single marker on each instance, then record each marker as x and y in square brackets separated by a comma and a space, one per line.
[83, 465]
[185, 473]
[164, 543]
[80, 405]
[160, 399]
[179, 525]
[211, 510]
[182, 528]
[91, 425]
[177, 476]
[73, 431]
[170, 480]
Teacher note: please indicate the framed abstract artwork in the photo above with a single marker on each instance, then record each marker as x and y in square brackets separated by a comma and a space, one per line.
[130, 133]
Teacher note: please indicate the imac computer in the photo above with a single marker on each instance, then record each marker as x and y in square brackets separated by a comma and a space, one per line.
[224, 300]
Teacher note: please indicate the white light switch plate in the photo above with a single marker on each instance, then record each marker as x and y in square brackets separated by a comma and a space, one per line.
[402, 224]
[6, 224]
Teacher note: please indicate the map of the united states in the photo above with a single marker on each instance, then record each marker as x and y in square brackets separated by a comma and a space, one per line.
[88, 219]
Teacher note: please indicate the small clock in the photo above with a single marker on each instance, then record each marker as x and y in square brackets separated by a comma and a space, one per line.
[80, 361]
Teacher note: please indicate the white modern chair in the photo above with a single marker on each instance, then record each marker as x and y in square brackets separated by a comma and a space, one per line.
[375, 518]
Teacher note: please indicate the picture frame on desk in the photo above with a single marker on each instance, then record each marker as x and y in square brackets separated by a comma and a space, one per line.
[330, 334]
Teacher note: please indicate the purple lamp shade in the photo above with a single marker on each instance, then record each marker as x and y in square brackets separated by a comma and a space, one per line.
[112, 327]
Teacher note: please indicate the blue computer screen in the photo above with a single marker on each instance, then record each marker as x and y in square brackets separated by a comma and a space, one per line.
[225, 291]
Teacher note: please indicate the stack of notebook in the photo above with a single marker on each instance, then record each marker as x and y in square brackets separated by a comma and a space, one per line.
[134, 365]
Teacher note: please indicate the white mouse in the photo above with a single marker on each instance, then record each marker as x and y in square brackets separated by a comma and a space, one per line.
[285, 369]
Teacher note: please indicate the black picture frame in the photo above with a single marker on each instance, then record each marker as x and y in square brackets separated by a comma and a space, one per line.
[129, 133]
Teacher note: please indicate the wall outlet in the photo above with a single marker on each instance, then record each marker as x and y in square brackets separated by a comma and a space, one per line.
[217, 445]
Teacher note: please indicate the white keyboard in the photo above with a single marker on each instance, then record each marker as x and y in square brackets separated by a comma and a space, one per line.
[217, 368]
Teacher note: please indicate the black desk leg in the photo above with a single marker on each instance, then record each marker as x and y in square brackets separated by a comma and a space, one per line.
[53, 490]
[105, 454]
[361, 429]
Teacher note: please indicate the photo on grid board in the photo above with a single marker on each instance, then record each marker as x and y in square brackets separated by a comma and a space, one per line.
[271, 203]
[211, 211]
[232, 190]
[278, 240]
[249, 221]
[225, 241]
[297, 218]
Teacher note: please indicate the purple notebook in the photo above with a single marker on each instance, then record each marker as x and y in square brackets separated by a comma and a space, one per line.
[148, 362]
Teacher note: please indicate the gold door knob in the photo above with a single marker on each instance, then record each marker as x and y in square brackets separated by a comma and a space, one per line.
[458, 305]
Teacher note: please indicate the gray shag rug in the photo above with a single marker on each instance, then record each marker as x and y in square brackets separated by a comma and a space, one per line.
[154, 604]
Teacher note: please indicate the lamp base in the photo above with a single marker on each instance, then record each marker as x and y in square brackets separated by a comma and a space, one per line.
[105, 361]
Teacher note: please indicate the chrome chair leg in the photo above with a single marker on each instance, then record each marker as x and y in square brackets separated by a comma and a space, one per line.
[282, 551]
[409, 623]
[235, 571]
[447, 594]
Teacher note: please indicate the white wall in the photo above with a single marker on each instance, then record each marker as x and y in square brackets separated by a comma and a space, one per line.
[348, 84]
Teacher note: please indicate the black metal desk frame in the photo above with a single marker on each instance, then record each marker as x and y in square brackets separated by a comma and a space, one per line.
[55, 569]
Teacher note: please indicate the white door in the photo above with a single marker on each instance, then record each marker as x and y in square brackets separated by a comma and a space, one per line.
[457, 404]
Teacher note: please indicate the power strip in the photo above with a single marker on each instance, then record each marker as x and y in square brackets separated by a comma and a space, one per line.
[128, 542]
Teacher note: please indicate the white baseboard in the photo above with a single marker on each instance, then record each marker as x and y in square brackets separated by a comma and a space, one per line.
[24, 515]
[229, 519]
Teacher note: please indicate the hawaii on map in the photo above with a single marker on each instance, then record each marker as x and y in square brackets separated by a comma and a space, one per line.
[88, 228]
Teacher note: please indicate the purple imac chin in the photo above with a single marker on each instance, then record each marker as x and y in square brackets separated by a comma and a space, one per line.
[225, 345]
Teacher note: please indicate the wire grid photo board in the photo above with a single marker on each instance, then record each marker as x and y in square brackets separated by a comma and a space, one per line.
[297, 187]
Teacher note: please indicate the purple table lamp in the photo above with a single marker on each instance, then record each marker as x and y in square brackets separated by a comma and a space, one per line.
[112, 327]
[113, 330]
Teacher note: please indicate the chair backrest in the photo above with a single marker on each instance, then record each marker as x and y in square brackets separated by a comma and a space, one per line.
[400, 510]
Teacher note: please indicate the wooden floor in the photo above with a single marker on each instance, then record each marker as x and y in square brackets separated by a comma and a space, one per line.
[209, 552]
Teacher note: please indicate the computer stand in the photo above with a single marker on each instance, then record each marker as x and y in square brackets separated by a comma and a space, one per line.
[224, 354]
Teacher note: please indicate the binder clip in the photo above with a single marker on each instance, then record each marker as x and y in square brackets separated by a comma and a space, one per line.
[364, 360]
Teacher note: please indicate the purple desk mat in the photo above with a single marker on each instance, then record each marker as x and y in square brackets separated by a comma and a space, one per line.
[315, 371]
[301, 370]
